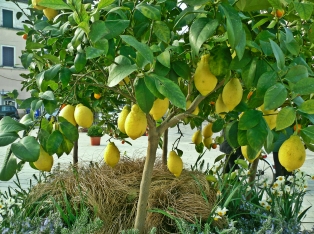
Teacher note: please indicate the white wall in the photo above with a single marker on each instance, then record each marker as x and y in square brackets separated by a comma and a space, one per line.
[7, 5]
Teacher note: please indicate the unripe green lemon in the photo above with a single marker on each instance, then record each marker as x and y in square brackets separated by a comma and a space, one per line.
[111, 154]
[136, 123]
[174, 163]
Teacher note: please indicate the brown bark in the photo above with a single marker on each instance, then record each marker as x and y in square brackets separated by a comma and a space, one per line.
[165, 148]
[75, 153]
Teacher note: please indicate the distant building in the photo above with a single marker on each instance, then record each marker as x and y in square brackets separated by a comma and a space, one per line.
[11, 46]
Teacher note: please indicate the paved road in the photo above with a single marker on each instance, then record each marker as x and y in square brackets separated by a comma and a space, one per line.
[89, 153]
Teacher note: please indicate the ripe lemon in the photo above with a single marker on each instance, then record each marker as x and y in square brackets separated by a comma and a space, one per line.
[83, 116]
[204, 80]
[207, 142]
[292, 153]
[136, 123]
[122, 117]
[67, 112]
[50, 13]
[126, 81]
[232, 93]
[197, 137]
[44, 162]
[159, 108]
[174, 163]
[97, 95]
[270, 116]
[188, 104]
[36, 6]
[220, 107]
[111, 154]
[244, 152]
[207, 130]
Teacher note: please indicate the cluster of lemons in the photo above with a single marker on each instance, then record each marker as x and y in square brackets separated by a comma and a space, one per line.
[205, 136]
[78, 115]
[48, 12]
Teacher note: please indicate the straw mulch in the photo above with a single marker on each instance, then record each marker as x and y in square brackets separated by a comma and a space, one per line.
[112, 194]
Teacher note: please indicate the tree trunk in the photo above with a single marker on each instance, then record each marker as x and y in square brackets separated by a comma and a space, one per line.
[140, 218]
[75, 153]
[165, 148]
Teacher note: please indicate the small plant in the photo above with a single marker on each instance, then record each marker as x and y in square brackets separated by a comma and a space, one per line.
[95, 131]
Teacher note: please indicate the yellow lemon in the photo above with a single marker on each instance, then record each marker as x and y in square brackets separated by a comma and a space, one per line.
[188, 104]
[136, 123]
[220, 107]
[122, 117]
[159, 108]
[67, 112]
[232, 93]
[126, 81]
[111, 154]
[207, 142]
[174, 163]
[44, 162]
[50, 13]
[270, 116]
[244, 152]
[83, 116]
[204, 80]
[197, 137]
[207, 130]
[292, 153]
[36, 6]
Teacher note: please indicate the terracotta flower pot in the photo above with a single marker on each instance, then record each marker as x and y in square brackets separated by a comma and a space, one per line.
[95, 140]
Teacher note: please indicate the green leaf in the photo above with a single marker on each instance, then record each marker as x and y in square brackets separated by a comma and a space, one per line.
[151, 85]
[65, 76]
[119, 72]
[78, 37]
[7, 124]
[149, 11]
[218, 125]
[240, 48]
[140, 47]
[231, 132]
[54, 142]
[27, 59]
[195, 3]
[67, 146]
[52, 58]
[250, 119]
[80, 61]
[252, 152]
[242, 138]
[26, 149]
[265, 81]
[116, 27]
[54, 4]
[304, 86]
[104, 3]
[92, 52]
[162, 31]
[291, 44]
[50, 105]
[7, 138]
[9, 166]
[164, 58]
[33, 45]
[252, 5]
[182, 69]
[280, 57]
[296, 73]
[52, 72]
[98, 30]
[248, 73]
[306, 107]
[144, 97]
[27, 120]
[257, 135]
[48, 95]
[200, 31]
[308, 131]
[268, 146]
[68, 130]
[27, 102]
[170, 90]
[304, 10]
[285, 118]
[275, 96]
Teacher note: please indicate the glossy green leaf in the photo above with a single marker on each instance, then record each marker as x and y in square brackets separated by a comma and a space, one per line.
[296, 73]
[48, 95]
[7, 138]
[26, 149]
[252, 5]
[242, 138]
[285, 118]
[92, 52]
[306, 107]
[304, 86]
[248, 73]
[268, 146]
[26, 59]
[144, 97]
[27, 102]
[78, 37]
[68, 130]
[257, 135]
[27, 120]
[65, 76]
[54, 142]
[218, 125]
[9, 166]
[162, 31]
[140, 47]
[36, 104]
[240, 47]
[149, 11]
[304, 10]
[231, 132]
[98, 30]
[280, 57]
[50, 105]
[252, 152]
[249, 119]
[53, 59]
[80, 61]
[67, 146]
[308, 131]
[195, 3]
[265, 81]
[151, 85]
[54, 4]
[290, 42]
[275, 96]
[104, 3]
[219, 60]
[33, 45]
[182, 69]
[7, 124]
[200, 31]
[116, 27]
[164, 58]
[119, 72]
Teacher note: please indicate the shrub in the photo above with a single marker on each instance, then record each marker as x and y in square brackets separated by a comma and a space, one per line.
[95, 131]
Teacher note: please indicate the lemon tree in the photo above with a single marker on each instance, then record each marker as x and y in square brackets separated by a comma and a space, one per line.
[184, 51]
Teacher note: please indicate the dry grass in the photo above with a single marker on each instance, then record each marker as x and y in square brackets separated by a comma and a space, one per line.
[112, 194]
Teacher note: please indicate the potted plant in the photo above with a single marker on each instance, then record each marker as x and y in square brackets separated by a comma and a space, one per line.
[95, 132]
